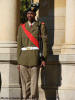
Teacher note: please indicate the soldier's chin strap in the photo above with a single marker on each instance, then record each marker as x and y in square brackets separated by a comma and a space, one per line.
[30, 36]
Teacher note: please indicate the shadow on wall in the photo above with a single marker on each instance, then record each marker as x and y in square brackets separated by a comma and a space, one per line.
[51, 78]
[0, 82]
[51, 75]
[46, 14]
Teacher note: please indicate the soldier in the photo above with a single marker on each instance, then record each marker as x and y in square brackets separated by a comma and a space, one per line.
[28, 53]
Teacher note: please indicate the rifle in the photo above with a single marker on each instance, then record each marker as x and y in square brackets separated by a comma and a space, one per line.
[43, 69]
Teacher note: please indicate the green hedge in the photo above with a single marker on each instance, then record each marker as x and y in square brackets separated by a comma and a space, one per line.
[24, 5]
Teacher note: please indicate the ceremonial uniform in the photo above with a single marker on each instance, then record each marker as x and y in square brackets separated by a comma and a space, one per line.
[31, 57]
[28, 56]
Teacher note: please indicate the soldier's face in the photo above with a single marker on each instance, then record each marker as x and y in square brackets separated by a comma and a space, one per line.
[31, 15]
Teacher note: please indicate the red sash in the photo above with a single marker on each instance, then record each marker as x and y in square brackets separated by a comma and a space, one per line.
[30, 36]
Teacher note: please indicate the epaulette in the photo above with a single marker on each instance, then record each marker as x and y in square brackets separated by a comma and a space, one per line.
[42, 23]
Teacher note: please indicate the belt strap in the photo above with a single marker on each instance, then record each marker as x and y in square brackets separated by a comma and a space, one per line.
[29, 48]
[30, 36]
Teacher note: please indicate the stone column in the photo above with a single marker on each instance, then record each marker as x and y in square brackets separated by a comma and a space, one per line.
[67, 58]
[10, 88]
[59, 25]
[35, 1]
[8, 20]
[37, 13]
[69, 47]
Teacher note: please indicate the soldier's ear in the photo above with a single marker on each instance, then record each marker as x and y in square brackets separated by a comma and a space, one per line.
[35, 13]
[27, 15]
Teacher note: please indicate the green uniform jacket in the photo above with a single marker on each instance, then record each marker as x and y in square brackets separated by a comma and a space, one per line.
[30, 57]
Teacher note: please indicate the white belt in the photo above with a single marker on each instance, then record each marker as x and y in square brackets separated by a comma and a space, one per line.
[29, 48]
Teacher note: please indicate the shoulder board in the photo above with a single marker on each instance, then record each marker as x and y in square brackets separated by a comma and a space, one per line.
[43, 23]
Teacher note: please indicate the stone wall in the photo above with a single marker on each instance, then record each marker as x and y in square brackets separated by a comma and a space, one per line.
[53, 13]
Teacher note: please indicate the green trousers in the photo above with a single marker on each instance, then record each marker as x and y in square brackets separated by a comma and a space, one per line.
[29, 82]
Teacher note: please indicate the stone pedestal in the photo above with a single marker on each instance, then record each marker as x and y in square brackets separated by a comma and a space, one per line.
[10, 84]
[50, 79]
[67, 89]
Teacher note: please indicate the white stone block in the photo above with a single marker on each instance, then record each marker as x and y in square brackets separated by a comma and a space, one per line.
[10, 93]
[67, 94]
[10, 83]
[67, 89]
[10, 87]
[68, 76]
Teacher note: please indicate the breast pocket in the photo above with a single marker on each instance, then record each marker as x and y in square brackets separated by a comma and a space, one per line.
[36, 36]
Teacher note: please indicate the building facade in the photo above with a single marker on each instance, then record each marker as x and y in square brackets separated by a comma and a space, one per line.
[59, 17]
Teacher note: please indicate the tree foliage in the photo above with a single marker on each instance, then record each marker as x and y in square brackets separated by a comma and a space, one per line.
[24, 5]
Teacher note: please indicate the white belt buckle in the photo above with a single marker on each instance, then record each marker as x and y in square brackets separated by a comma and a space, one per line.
[28, 48]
